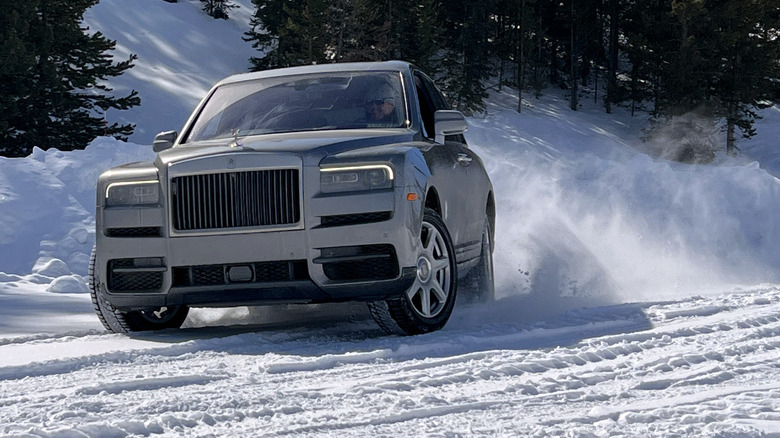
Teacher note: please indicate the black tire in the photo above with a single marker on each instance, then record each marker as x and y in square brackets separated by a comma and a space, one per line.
[136, 321]
[479, 280]
[427, 304]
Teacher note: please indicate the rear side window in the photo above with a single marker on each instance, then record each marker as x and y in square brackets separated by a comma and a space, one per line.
[427, 108]
[431, 100]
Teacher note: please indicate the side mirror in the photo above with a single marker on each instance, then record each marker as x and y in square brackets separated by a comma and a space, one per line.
[448, 122]
[164, 140]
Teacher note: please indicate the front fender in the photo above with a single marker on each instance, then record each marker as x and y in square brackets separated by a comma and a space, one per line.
[412, 171]
[412, 176]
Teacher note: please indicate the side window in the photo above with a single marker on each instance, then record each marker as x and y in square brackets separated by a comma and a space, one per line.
[439, 102]
[427, 107]
[428, 92]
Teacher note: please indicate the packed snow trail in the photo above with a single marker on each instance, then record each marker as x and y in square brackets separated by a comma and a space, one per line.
[704, 366]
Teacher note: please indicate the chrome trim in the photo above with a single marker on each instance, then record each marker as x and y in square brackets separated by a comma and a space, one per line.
[408, 102]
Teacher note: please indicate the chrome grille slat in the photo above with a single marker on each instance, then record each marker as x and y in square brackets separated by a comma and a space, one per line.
[240, 199]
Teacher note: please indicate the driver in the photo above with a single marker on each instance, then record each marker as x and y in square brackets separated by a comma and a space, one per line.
[380, 105]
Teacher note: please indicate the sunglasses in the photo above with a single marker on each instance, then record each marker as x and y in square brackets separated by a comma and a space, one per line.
[389, 100]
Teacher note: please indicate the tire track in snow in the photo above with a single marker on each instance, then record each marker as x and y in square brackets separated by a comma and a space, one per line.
[688, 363]
[609, 359]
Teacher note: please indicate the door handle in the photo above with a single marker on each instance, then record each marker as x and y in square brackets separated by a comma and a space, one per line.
[464, 159]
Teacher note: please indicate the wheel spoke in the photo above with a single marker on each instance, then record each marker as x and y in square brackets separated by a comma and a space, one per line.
[439, 292]
[440, 265]
[440, 249]
[414, 290]
[426, 302]
[431, 237]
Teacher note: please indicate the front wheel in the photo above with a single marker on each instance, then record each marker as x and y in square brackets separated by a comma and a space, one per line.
[480, 279]
[427, 304]
[134, 321]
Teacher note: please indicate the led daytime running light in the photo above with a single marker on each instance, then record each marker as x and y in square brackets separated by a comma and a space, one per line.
[388, 169]
[128, 183]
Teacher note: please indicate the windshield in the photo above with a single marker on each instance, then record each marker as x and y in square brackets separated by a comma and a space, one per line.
[345, 100]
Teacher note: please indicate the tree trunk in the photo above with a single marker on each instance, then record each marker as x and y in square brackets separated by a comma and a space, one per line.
[501, 75]
[573, 104]
[730, 139]
[731, 122]
[521, 59]
[613, 56]
[634, 87]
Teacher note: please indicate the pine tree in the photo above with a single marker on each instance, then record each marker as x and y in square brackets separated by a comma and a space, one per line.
[288, 33]
[219, 9]
[16, 60]
[743, 58]
[305, 33]
[269, 17]
[415, 34]
[717, 57]
[648, 31]
[359, 32]
[52, 73]
[684, 69]
[467, 56]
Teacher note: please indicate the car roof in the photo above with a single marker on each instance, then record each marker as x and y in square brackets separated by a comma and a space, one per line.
[319, 68]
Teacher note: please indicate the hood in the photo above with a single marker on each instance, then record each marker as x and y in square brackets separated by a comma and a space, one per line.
[311, 145]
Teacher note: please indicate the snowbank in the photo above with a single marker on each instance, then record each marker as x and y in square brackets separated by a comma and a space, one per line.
[47, 207]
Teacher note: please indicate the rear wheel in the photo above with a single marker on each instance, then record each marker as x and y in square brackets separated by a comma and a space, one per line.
[427, 304]
[134, 321]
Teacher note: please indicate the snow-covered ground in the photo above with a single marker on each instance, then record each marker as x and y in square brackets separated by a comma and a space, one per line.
[697, 366]
[637, 297]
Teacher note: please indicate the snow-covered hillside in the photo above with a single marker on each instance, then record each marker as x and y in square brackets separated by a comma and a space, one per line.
[181, 52]
[637, 297]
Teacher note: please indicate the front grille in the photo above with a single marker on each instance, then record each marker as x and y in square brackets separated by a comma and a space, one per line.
[123, 276]
[262, 272]
[362, 263]
[257, 198]
[355, 219]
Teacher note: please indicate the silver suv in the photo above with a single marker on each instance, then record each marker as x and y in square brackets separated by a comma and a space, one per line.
[341, 182]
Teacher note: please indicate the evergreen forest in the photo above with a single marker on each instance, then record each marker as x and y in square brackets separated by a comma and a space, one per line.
[53, 74]
[718, 58]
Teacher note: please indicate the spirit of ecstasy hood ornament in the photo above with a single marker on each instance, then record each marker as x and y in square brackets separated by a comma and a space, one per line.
[236, 142]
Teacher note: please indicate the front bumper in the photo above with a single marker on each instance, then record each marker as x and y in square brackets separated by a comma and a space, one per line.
[357, 247]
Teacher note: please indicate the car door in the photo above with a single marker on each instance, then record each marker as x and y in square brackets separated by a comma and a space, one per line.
[457, 174]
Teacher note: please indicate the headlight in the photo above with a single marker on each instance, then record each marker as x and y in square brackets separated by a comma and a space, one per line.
[133, 193]
[356, 178]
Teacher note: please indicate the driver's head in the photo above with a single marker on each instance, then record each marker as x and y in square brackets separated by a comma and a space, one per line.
[380, 103]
